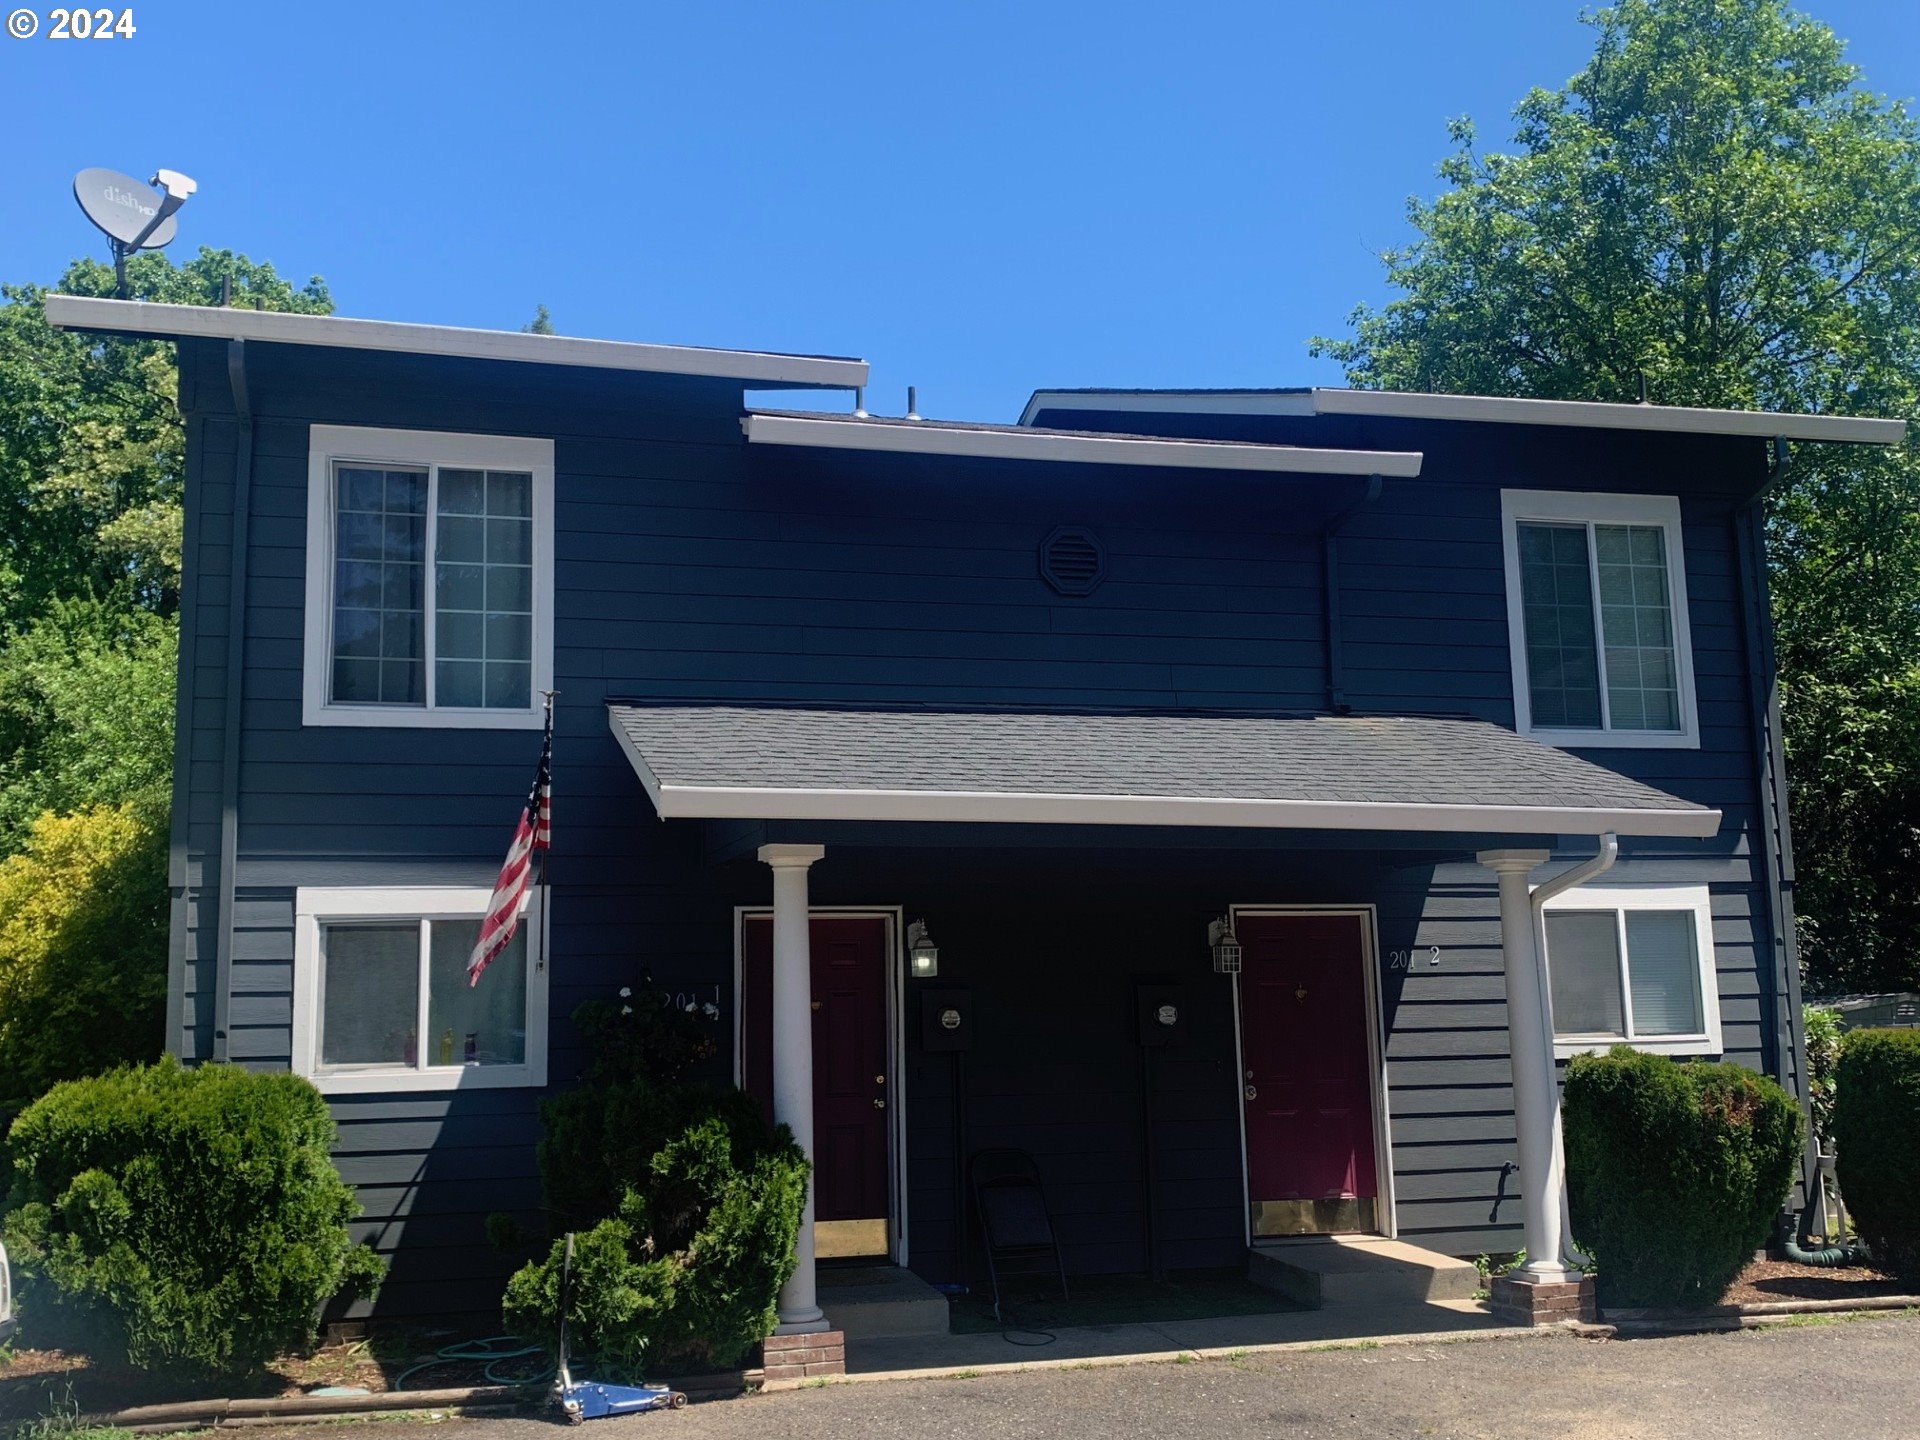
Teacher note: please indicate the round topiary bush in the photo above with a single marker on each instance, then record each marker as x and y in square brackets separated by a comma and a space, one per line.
[184, 1221]
[1675, 1171]
[1876, 1129]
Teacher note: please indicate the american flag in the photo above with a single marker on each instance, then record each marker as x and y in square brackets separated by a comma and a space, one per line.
[534, 832]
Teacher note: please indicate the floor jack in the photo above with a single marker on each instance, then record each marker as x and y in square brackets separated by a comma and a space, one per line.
[581, 1400]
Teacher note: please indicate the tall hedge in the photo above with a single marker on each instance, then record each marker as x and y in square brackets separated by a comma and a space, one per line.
[1675, 1172]
[184, 1221]
[1876, 1127]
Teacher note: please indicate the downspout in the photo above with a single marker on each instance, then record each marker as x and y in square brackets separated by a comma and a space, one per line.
[1776, 836]
[1545, 891]
[1330, 580]
[235, 677]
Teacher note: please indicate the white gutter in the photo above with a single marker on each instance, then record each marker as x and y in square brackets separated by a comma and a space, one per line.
[203, 322]
[1012, 443]
[1545, 891]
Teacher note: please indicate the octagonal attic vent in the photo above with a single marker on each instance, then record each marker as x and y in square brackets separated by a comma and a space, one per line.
[1071, 561]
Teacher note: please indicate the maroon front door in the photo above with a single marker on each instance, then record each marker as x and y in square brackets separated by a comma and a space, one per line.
[850, 1101]
[1307, 1074]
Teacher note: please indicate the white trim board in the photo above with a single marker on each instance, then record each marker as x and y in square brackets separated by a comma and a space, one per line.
[1483, 409]
[1570, 507]
[142, 317]
[1012, 443]
[435, 450]
[318, 905]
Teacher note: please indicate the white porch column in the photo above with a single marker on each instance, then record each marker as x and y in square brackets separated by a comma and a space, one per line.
[793, 1056]
[1536, 1098]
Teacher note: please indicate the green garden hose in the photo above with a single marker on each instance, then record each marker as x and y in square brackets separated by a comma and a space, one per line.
[492, 1352]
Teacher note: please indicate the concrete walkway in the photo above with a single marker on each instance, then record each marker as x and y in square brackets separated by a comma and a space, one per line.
[1233, 1336]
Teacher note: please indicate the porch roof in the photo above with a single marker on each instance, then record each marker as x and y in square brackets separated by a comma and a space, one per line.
[1309, 772]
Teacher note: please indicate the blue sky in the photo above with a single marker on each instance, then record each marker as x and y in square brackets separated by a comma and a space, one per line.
[979, 198]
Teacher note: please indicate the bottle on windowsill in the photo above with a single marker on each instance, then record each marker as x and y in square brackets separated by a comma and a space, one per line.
[446, 1046]
[473, 1047]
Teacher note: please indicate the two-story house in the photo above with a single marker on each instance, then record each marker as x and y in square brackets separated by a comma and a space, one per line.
[1238, 801]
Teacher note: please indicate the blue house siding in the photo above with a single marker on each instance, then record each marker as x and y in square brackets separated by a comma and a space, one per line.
[689, 566]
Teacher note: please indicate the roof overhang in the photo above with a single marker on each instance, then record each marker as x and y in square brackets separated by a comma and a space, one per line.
[750, 763]
[1013, 442]
[180, 322]
[1483, 409]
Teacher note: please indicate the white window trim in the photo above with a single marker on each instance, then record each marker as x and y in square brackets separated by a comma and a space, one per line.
[1624, 898]
[315, 906]
[1570, 506]
[330, 444]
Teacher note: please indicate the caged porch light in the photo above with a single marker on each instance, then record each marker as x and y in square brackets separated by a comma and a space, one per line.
[923, 956]
[1225, 946]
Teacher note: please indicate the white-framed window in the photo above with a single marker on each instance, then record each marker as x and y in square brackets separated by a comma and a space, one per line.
[1633, 964]
[1597, 619]
[380, 995]
[429, 586]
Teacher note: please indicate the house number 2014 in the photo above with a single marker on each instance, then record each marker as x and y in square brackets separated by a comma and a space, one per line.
[1406, 959]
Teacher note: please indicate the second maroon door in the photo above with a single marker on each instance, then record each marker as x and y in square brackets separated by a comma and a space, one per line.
[851, 1176]
[1307, 1080]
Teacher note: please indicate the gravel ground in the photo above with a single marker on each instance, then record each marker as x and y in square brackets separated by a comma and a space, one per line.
[1852, 1380]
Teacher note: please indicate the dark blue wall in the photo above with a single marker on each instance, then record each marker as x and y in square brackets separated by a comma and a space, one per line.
[688, 566]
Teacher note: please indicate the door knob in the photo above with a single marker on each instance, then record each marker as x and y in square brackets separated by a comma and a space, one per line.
[879, 1104]
[879, 1079]
[1252, 1094]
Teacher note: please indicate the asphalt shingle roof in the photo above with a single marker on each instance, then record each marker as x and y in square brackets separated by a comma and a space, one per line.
[1302, 761]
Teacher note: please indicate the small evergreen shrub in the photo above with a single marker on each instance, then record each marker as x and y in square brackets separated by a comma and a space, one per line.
[1675, 1171]
[686, 1201]
[1876, 1128]
[185, 1221]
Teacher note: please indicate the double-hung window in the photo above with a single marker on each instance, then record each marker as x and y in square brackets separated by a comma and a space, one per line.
[1597, 619]
[381, 999]
[1633, 964]
[429, 578]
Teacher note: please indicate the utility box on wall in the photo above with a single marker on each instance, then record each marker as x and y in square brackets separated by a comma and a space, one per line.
[946, 1019]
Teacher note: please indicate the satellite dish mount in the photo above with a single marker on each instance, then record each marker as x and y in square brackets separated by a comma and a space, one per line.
[131, 216]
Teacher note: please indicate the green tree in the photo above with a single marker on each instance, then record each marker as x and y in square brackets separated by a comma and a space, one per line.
[541, 324]
[1716, 207]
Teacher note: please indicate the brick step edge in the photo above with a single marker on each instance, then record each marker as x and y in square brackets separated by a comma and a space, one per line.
[1649, 1321]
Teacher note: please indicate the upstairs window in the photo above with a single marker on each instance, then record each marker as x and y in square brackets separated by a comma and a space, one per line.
[1633, 964]
[429, 578]
[1597, 619]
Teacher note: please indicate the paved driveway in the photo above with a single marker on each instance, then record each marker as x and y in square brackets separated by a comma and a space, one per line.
[1859, 1380]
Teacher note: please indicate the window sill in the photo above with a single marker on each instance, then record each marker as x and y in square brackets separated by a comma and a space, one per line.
[1660, 1045]
[383, 717]
[394, 1082]
[1613, 739]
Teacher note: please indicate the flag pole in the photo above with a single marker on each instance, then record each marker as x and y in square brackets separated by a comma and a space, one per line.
[546, 854]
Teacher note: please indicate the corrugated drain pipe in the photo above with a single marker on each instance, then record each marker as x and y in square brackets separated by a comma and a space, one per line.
[234, 678]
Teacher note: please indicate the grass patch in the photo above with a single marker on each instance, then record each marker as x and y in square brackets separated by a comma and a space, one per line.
[61, 1421]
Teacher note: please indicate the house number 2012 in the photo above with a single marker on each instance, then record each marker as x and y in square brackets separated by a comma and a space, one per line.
[1406, 959]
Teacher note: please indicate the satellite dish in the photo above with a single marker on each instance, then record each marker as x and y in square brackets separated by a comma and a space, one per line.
[124, 209]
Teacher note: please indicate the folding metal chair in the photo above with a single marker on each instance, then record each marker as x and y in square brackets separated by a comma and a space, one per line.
[1015, 1228]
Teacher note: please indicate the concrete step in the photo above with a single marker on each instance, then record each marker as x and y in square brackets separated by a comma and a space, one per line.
[1328, 1271]
[878, 1301]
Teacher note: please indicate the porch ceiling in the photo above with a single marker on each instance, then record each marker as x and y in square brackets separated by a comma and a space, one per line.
[1412, 773]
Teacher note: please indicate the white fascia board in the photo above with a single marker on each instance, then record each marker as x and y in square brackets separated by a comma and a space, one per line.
[1172, 402]
[140, 317]
[932, 438]
[1599, 415]
[1484, 409]
[727, 802]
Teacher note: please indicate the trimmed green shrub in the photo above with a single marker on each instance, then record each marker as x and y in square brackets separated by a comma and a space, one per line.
[184, 1221]
[686, 1200]
[1675, 1171]
[1876, 1126]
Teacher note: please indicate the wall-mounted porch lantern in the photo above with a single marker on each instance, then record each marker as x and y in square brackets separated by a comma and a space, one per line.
[923, 956]
[1225, 946]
